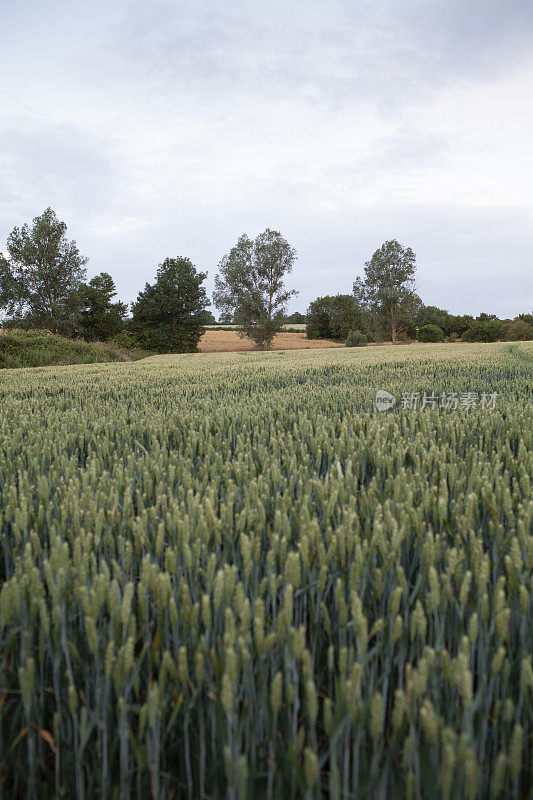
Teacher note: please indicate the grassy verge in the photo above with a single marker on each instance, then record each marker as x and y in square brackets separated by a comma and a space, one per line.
[37, 349]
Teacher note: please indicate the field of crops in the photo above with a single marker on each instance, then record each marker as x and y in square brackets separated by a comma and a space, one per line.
[229, 341]
[230, 576]
[228, 326]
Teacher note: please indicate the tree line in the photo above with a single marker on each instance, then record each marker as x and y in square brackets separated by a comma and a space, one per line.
[43, 286]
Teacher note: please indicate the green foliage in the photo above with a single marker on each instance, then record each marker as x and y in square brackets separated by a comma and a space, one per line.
[518, 329]
[42, 270]
[222, 326]
[461, 324]
[430, 333]
[484, 330]
[387, 291]
[250, 288]
[333, 317]
[296, 318]
[125, 340]
[39, 349]
[450, 324]
[431, 315]
[356, 339]
[169, 316]
[229, 576]
[97, 317]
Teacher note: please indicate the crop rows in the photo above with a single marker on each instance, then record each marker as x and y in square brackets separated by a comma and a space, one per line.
[229, 577]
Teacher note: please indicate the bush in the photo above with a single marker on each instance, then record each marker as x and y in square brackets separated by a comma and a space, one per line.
[430, 333]
[125, 340]
[431, 315]
[519, 330]
[405, 336]
[11, 345]
[41, 349]
[459, 324]
[356, 339]
[333, 317]
[484, 331]
[296, 319]
[38, 349]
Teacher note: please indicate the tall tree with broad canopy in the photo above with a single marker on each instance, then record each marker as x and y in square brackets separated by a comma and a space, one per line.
[388, 288]
[250, 286]
[169, 316]
[40, 272]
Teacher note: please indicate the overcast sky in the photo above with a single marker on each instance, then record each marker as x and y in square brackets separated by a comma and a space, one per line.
[163, 128]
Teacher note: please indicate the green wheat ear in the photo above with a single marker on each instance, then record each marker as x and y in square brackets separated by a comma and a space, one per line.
[230, 579]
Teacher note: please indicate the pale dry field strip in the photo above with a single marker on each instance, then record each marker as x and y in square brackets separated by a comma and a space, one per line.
[230, 341]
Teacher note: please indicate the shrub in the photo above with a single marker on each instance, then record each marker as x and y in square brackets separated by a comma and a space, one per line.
[518, 330]
[125, 340]
[484, 331]
[356, 339]
[38, 349]
[431, 315]
[10, 345]
[333, 317]
[460, 324]
[430, 333]
[406, 334]
[297, 318]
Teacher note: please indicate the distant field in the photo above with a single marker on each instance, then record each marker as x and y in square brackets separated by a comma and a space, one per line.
[297, 326]
[227, 340]
[226, 575]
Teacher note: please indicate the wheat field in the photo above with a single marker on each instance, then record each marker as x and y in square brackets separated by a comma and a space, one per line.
[227, 575]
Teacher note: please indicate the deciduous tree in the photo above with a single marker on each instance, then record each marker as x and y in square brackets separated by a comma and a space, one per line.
[41, 270]
[388, 288]
[250, 286]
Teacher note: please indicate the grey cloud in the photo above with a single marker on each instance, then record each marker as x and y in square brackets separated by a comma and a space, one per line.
[74, 171]
[205, 77]
[54, 164]
[409, 148]
[330, 52]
